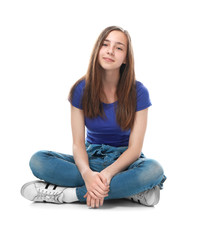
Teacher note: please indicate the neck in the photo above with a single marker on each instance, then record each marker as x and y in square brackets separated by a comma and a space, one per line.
[110, 79]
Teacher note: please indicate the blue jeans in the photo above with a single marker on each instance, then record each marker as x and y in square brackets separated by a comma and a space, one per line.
[60, 169]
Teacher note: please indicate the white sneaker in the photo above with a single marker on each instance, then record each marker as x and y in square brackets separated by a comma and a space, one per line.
[148, 198]
[39, 191]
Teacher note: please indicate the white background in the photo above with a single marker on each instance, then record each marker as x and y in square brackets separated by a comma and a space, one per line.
[44, 48]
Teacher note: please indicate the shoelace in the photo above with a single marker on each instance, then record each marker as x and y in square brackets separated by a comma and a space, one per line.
[48, 195]
[139, 196]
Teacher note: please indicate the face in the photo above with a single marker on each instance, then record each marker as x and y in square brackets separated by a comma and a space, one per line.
[113, 51]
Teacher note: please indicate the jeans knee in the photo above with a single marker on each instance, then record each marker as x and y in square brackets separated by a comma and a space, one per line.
[155, 168]
[149, 172]
[37, 162]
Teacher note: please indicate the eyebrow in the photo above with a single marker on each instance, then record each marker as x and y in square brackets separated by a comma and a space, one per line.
[116, 42]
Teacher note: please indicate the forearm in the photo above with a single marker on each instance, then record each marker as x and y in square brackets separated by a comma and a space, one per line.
[81, 158]
[96, 184]
[134, 146]
[125, 159]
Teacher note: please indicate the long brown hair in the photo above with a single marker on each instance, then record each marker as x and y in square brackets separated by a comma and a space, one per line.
[126, 88]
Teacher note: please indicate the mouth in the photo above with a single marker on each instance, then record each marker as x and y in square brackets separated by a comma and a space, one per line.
[108, 59]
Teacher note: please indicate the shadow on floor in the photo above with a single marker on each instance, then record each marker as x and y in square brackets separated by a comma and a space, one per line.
[108, 204]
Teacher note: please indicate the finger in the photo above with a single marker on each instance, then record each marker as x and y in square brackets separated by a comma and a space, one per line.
[103, 179]
[99, 195]
[93, 195]
[101, 201]
[103, 186]
[100, 192]
[88, 200]
[97, 201]
[93, 202]
[100, 187]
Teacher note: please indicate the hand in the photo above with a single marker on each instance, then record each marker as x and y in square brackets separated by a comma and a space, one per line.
[96, 184]
[92, 202]
[107, 175]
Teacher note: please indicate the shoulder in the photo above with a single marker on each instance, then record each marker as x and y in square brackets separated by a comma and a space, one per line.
[140, 87]
[77, 93]
[80, 84]
[143, 98]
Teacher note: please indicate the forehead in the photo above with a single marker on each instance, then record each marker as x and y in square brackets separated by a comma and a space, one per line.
[117, 37]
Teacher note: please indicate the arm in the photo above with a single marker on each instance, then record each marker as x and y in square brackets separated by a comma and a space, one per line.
[78, 134]
[134, 148]
[95, 182]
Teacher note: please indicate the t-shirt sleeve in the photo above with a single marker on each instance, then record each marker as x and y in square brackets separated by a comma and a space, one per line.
[143, 99]
[76, 100]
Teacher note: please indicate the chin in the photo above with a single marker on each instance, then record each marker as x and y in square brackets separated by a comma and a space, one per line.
[109, 68]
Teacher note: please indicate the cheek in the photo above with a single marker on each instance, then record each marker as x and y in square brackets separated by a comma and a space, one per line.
[100, 53]
[123, 58]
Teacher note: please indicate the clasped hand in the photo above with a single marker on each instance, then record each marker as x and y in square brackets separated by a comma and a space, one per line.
[97, 186]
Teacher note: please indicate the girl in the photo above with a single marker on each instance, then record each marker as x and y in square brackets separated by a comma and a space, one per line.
[109, 164]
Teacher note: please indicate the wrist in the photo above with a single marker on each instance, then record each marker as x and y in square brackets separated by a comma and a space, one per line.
[85, 172]
[108, 173]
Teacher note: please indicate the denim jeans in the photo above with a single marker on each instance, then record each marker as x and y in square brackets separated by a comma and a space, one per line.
[60, 169]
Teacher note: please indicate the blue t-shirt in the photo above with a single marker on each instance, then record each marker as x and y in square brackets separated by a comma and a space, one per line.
[106, 130]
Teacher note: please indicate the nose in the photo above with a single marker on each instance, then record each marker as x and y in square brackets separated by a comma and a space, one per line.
[110, 50]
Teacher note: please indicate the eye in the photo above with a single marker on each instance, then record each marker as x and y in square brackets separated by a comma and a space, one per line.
[105, 44]
[120, 49]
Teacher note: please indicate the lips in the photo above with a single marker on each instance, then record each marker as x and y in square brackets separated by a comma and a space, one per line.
[108, 59]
